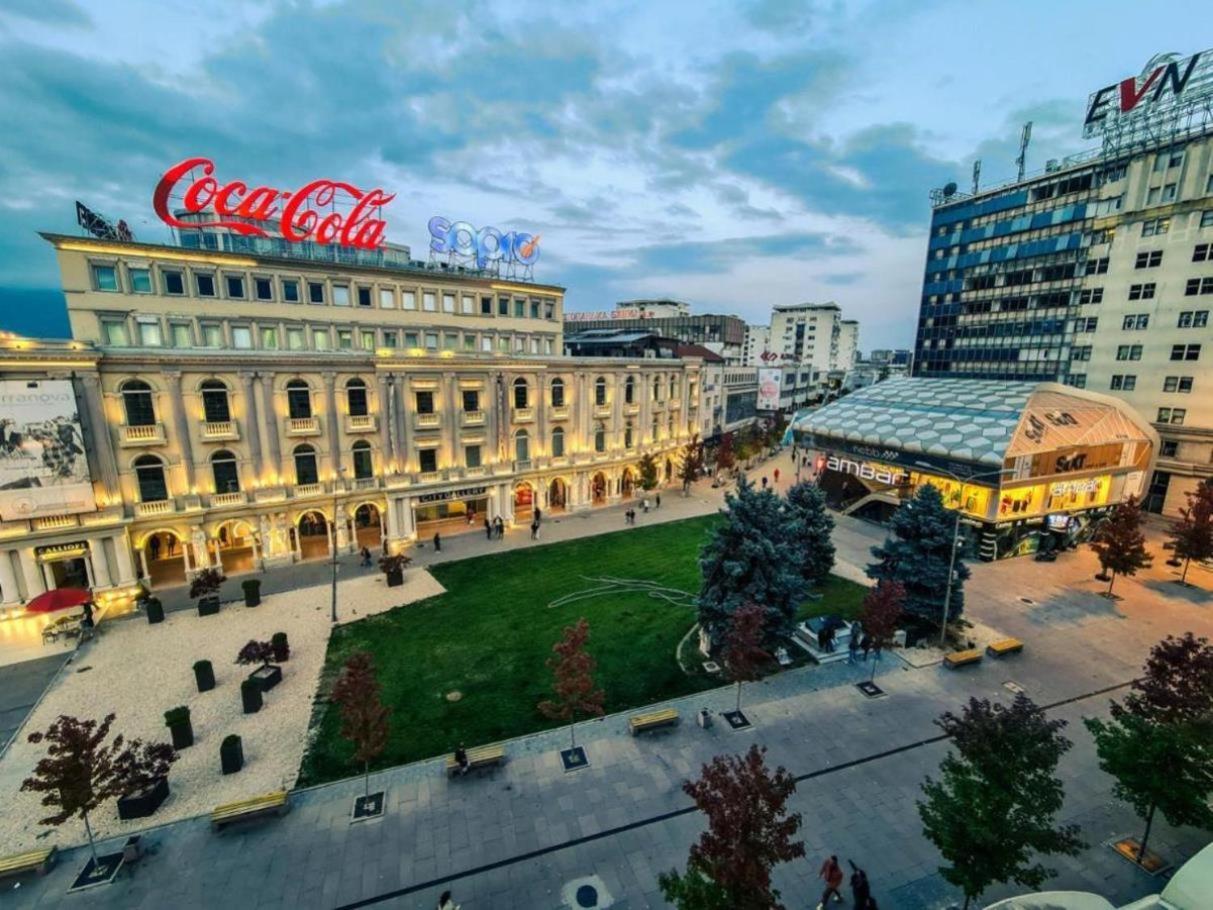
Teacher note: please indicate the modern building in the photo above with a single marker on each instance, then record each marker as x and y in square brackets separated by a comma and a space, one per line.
[807, 334]
[724, 335]
[1020, 460]
[757, 343]
[228, 404]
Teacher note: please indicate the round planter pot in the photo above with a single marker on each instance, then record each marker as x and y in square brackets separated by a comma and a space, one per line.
[252, 592]
[231, 755]
[204, 675]
[155, 611]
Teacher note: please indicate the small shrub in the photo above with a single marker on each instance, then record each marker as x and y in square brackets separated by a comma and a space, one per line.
[256, 652]
[395, 562]
[207, 581]
[176, 716]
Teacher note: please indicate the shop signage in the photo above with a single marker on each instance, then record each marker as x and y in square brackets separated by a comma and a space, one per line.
[866, 471]
[43, 466]
[1068, 487]
[607, 315]
[917, 461]
[465, 493]
[484, 246]
[250, 211]
[1168, 86]
[61, 551]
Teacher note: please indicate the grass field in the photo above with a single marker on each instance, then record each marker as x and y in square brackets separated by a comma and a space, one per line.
[488, 637]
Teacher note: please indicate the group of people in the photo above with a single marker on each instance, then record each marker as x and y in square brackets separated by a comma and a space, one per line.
[861, 891]
[494, 528]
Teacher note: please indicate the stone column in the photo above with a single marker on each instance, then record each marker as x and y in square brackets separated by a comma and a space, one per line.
[330, 407]
[181, 427]
[10, 591]
[101, 565]
[269, 420]
[392, 514]
[386, 454]
[98, 440]
[126, 566]
[342, 527]
[252, 423]
[541, 418]
[35, 584]
[404, 455]
[450, 414]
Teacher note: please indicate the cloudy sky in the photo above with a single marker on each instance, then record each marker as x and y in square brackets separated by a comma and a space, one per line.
[735, 154]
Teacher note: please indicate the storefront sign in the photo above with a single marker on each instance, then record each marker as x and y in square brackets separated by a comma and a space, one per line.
[43, 468]
[465, 493]
[483, 246]
[607, 315]
[1068, 487]
[1167, 87]
[62, 551]
[917, 461]
[239, 207]
[866, 471]
[768, 389]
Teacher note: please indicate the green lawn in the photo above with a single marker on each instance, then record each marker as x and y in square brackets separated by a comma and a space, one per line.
[489, 635]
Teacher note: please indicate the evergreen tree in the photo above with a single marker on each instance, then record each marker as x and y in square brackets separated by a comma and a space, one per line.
[648, 471]
[1119, 542]
[991, 812]
[810, 526]
[1193, 533]
[747, 558]
[918, 555]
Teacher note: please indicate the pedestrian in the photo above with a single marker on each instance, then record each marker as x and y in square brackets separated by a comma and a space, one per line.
[499, 527]
[853, 648]
[776, 472]
[437, 542]
[538, 514]
[831, 874]
[535, 529]
[446, 902]
[764, 482]
[488, 529]
[861, 891]
[659, 500]
[461, 759]
[366, 557]
[153, 546]
[866, 644]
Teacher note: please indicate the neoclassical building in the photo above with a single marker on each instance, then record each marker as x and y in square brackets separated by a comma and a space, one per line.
[250, 407]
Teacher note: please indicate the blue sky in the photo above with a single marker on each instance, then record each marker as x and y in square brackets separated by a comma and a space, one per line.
[734, 154]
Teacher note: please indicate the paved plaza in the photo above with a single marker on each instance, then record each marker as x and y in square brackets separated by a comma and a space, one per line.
[515, 837]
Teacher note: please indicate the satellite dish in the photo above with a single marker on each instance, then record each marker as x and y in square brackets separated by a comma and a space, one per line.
[950, 189]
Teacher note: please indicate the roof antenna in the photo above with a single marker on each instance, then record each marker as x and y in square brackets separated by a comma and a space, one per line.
[1024, 138]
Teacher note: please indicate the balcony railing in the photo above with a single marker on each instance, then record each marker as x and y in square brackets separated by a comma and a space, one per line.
[478, 471]
[366, 483]
[149, 435]
[602, 410]
[302, 426]
[309, 489]
[523, 415]
[676, 403]
[229, 499]
[159, 507]
[54, 522]
[429, 477]
[631, 409]
[524, 464]
[427, 421]
[361, 423]
[219, 430]
[560, 412]
[472, 418]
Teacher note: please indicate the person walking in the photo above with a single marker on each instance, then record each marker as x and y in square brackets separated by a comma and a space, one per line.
[538, 515]
[488, 529]
[366, 557]
[659, 500]
[776, 472]
[437, 542]
[861, 891]
[866, 644]
[764, 482]
[831, 874]
[535, 529]
[853, 647]
[499, 527]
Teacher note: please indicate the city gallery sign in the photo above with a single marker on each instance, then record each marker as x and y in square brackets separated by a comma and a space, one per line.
[251, 211]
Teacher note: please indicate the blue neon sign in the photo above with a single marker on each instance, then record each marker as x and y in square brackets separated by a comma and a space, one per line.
[485, 245]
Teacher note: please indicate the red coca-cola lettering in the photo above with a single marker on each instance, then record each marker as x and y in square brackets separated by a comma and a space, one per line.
[298, 218]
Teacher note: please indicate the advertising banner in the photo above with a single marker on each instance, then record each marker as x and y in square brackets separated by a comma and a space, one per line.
[43, 469]
[768, 389]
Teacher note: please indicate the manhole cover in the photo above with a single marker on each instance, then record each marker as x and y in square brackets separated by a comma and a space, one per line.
[587, 896]
[454, 696]
[1027, 600]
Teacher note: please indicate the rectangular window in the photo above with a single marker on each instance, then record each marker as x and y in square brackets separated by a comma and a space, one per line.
[364, 296]
[450, 341]
[1155, 226]
[471, 400]
[290, 290]
[503, 344]
[1128, 352]
[429, 302]
[548, 346]
[425, 402]
[387, 299]
[105, 278]
[1142, 291]
[263, 288]
[549, 310]
[141, 281]
[1135, 322]
[1200, 253]
[1091, 295]
[486, 303]
[212, 335]
[235, 286]
[1170, 448]
[242, 337]
[320, 339]
[174, 282]
[1168, 192]
[149, 334]
[431, 341]
[1193, 319]
[1206, 218]
[412, 340]
[182, 336]
[503, 306]
[269, 338]
[114, 333]
[534, 309]
[1097, 266]
[467, 305]
[1185, 352]
[1148, 260]
[408, 300]
[448, 303]
[1125, 383]
[389, 339]
[471, 456]
[1077, 380]
[427, 460]
[315, 291]
[294, 339]
[345, 339]
[368, 340]
[341, 295]
[520, 309]
[204, 283]
[469, 341]
[486, 343]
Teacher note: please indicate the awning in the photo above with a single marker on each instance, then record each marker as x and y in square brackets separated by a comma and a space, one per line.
[58, 599]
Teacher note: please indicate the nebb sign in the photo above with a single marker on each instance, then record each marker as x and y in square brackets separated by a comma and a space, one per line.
[295, 211]
[866, 471]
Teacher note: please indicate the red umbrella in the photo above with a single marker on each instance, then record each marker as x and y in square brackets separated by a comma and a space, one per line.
[58, 599]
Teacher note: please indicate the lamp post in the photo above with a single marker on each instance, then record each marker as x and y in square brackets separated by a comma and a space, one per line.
[947, 596]
[338, 479]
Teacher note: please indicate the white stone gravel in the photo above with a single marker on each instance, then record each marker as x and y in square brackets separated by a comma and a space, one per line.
[138, 671]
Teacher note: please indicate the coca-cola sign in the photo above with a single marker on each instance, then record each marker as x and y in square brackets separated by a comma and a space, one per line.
[250, 211]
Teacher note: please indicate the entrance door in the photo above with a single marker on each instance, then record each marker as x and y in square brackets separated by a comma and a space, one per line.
[69, 573]
[1156, 495]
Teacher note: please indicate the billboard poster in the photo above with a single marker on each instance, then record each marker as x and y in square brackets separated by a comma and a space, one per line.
[43, 468]
[768, 390]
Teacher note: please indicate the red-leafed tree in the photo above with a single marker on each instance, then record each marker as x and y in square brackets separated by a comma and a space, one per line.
[881, 614]
[364, 717]
[750, 831]
[692, 462]
[1119, 542]
[743, 653]
[725, 457]
[1193, 533]
[573, 674]
[81, 771]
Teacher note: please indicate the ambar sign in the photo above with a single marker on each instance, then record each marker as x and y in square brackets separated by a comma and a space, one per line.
[866, 471]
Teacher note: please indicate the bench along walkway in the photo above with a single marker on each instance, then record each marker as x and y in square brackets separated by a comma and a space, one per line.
[652, 720]
[1004, 646]
[276, 803]
[480, 757]
[39, 861]
[961, 658]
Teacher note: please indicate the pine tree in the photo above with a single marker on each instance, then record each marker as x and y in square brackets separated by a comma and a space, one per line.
[1193, 533]
[748, 557]
[992, 811]
[811, 526]
[1120, 543]
[573, 673]
[364, 718]
[648, 471]
[918, 555]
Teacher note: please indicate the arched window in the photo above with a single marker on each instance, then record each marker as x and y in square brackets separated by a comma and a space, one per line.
[629, 391]
[557, 393]
[600, 438]
[521, 396]
[627, 435]
[363, 465]
[657, 388]
[215, 407]
[600, 391]
[522, 446]
[225, 472]
[305, 465]
[137, 400]
[673, 387]
[558, 442]
[149, 472]
[670, 425]
[298, 399]
[355, 396]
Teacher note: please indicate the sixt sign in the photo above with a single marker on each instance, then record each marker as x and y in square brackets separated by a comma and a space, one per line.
[484, 246]
[1167, 87]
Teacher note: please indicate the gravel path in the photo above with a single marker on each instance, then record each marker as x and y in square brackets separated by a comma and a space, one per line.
[138, 671]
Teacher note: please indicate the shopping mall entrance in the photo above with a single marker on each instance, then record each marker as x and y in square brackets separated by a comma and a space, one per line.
[233, 547]
[162, 559]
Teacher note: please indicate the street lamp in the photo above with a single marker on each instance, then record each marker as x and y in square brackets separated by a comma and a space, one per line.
[338, 479]
[947, 596]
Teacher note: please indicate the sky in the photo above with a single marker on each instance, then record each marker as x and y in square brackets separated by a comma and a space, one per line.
[735, 154]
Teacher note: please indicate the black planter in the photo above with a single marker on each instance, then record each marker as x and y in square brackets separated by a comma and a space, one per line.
[250, 696]
[231, 754]
[395, 579]
[204, 675]
[282, 648]
[209, 605]
[141, 805]
[155, 610]
[252, 591]
[266, 677]
[183, 735]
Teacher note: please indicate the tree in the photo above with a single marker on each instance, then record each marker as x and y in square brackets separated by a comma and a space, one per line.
[743, 653]
[749, 832]
[725, 458]
[811, 526]
[1119, 543]
[881, 614]
[648, 471]
[749, 558]
[256, 652]
[692, 462]
[1193, 533]
[364, 718]
[1159, 742]
[992, 810]
[573, 672]
[81, 771]
[918, 555]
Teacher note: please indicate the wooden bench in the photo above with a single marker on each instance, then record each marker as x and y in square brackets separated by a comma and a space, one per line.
[1004, 646]
[654, 719]
[960, 658]
[39, 861]
[482, 757]
[275, 803]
